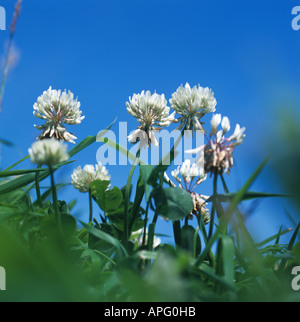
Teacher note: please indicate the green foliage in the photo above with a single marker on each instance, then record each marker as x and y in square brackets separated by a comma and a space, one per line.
[50, 255]
[173, 203]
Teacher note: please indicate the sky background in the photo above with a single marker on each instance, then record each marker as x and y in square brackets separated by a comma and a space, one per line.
[104, 51]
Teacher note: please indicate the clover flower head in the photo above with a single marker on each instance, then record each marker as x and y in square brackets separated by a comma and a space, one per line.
[82, 178]
[152, 112]
[200, 207]
[57, 108]
[218, 152]
[138, 236]
[189, 172]
[192, 104]
[48, 152]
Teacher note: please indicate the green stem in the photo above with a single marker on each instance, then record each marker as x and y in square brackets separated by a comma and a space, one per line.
[151, 233]
[5, 72]
[38, 190]
[136, 206]
[177, 233]
[91, 205]
[224, 184]
[213, 210]
[146, 220]
[127, 197]
[55, 202]
[186, 221]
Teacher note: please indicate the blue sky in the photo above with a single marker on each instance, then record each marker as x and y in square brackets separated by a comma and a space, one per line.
[104, 51]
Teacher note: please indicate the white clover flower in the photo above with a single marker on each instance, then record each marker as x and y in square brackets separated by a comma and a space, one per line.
[138, 236]
[48, 152]
[188, 172]
[56, 108]
[218, 152]
[175, 174]
[152, 112]
[143, 137]
[225, 124]
[192, 104]
[81, 178]
[238, 135]
[215, 122]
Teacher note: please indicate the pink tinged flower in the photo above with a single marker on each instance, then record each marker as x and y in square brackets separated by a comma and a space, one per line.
[218, 152]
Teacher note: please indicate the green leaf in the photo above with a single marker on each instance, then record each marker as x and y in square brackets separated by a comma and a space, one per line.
[24, 180]
[135, 210]
[99, 244]
[145, 173]
[173, 203]
[227, 216]
[165, 162]
[225, 258]
[228, 197]
[108, 200]
[211, 274]
[190, 240]
[7, 143]
[268, 240]
[289, 248]
[4, 174]
[105, 237]
[82, 145]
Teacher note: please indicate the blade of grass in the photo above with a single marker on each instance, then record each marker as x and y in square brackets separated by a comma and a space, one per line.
[105, 237]
[224, 221]
[5, 174]
[17, 163]
[289, 248]
[268, 240]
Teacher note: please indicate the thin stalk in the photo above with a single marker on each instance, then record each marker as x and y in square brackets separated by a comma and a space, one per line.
[186, 221]
[7, 57]
[127, 197]
[145, 223]
[151, 233]
[213, 210]
[38, 190]
[90, 205]
[177, 233]
[224, 184]
[55, 202]
[237, 214]
[210, 254]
